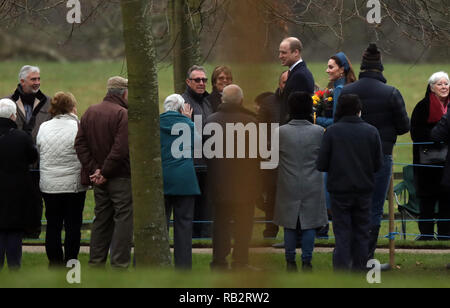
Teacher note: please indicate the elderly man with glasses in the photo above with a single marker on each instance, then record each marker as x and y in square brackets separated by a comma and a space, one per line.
[196, 96]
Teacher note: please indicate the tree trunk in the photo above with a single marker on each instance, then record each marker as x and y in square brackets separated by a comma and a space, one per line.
[184, 31]
[150, 229]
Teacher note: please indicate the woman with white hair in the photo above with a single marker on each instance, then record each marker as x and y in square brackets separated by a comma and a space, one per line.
[17, 152]
[180, 181]
[426, 115]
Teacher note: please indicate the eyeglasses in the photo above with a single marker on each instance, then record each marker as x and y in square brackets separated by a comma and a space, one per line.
[198, 80]
[225, 78]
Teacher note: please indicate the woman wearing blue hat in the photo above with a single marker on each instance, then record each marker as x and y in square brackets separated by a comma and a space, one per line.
[340, 73]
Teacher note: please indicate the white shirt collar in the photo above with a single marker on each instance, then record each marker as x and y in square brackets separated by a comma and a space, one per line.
[296, 63]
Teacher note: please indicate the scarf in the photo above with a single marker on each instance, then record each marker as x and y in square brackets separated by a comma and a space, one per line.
[437, 109]
[28, 101]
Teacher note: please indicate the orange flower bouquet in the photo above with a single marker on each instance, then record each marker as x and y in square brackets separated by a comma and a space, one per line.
[323, 103]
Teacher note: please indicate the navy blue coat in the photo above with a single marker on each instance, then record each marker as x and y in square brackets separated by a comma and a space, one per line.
[300, 80]
[351, 154]
[383, 107]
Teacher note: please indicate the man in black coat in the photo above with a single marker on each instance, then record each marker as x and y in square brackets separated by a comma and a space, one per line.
[384, 108]
[17, 152]
[196, 96]
[32, 111]
[299, 79]
[268, 112]
[351, 154]
[233, 183]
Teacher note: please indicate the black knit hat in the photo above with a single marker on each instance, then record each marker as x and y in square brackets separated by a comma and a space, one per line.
[372, 59]
[300, 105]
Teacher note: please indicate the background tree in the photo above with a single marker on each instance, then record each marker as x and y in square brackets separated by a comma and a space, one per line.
[185, 32]
[151, 235]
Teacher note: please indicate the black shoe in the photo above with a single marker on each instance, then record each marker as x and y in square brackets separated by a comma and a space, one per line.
[448, 266]
[424, 238]
[291, 267]
[307, 266]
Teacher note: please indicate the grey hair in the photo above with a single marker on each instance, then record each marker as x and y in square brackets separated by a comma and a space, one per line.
[436, 77]
[118, 92]
[26, 70]
[195, 68]
[7, 108]
[232, 94]
[173, 102]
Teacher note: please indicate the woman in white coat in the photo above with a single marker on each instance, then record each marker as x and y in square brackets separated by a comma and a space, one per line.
[60, 170]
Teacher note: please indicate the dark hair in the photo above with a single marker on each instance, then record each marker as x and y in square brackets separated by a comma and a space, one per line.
[350, 73]
[62, 103]
[348, 105]
[301, 106]
[262, 97]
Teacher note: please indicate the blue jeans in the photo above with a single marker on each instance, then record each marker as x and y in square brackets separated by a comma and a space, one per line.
[382, 181]
[290, 243]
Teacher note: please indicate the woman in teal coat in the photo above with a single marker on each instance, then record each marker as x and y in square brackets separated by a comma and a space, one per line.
[180, 182]
[340, 73]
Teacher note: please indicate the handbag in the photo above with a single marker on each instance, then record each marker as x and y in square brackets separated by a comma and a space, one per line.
[433, 154]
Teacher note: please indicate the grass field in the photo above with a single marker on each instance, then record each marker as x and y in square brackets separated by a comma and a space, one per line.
[412, 271]
[87, 81]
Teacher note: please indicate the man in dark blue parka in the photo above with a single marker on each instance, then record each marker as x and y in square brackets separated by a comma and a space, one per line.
[384, 108]
[351, 154]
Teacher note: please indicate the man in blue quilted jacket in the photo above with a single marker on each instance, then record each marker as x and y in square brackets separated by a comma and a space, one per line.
[384, 108]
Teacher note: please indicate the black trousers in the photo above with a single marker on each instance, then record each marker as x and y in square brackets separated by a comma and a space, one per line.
[183, 214]
[11, 248]
[427, 213]
[63, 210]
[33, 231]
[351, 224]
[232, 220]
[203, 212]
[270, 191]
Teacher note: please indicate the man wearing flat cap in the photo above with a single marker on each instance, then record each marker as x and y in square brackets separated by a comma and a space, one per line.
[102, 147]
[384, 108]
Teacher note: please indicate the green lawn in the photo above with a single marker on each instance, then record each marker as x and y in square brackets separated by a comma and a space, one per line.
[412, 271]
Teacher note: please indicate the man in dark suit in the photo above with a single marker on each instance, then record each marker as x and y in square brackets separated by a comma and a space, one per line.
[233, 183]
[300, 78]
